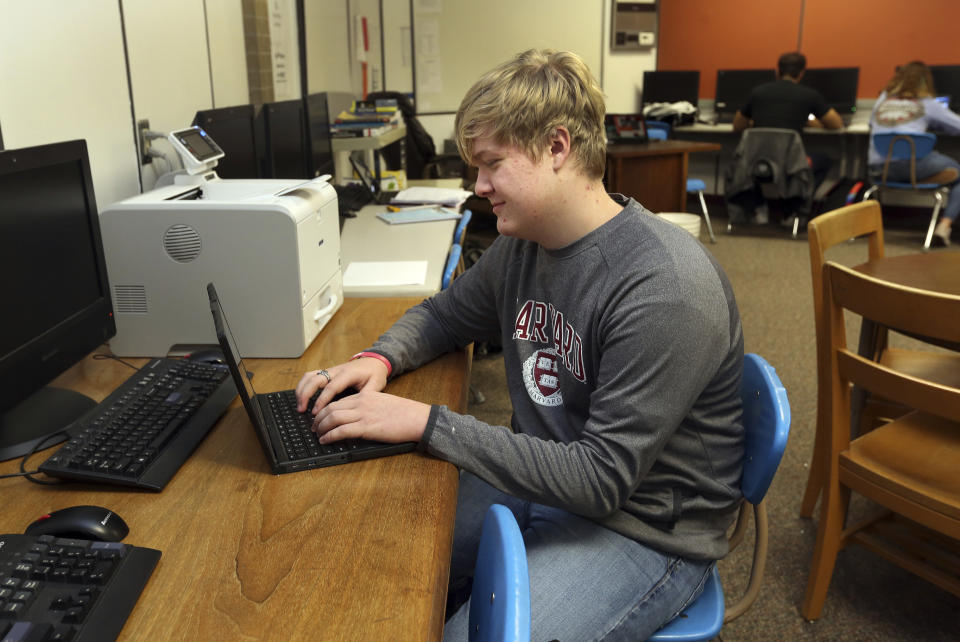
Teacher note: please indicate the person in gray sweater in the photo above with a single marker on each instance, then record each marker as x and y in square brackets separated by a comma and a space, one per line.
[623, 353]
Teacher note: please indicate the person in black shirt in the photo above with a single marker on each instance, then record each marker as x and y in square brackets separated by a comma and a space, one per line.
[785, 103]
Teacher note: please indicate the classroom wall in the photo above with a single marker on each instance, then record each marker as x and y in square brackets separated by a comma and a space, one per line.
[875, 35]
[66, 70]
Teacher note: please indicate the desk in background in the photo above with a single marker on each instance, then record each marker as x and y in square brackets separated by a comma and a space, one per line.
[353, 552]
[654, 173]
[367, 238]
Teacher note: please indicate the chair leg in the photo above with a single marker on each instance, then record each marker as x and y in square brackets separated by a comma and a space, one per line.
[706, 217]
[829, 542]
[933, 219]
[815, 476]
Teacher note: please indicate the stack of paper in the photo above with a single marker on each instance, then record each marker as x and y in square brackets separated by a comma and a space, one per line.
[432, 196]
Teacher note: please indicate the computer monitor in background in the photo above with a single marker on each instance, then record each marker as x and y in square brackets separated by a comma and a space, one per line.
[946, 80]
[734, 87]
[234, 130]
[285, 140]
[837, 84]
[671, 87]
[56, 300]
[320, 151]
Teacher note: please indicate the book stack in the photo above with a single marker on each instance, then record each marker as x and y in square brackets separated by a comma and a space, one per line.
[367, 118]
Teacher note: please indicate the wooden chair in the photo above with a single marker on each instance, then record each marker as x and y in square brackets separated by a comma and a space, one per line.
[908, 465]
[824, 232]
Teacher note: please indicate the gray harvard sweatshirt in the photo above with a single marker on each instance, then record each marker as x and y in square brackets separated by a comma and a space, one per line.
[623, 355]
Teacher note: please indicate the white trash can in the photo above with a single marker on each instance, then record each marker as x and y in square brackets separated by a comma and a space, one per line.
[689, 222]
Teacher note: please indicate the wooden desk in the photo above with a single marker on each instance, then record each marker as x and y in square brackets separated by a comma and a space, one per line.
[935, 271]
[353, 552]
[654, 173]
[367, 238]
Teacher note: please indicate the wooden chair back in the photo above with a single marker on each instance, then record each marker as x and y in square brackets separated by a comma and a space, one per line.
[909, 310]
[823, 232]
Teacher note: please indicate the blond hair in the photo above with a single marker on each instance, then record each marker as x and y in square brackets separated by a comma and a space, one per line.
[523, 101]
[912, 80]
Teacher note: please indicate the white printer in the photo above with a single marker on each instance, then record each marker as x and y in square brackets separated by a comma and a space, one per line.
[272, 247]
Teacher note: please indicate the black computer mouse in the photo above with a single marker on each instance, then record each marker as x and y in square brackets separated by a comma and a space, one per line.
[81, 522]
[212, 355]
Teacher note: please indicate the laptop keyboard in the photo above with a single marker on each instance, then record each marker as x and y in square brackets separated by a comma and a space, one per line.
[297, 438]
[146, 429]
[54, 588]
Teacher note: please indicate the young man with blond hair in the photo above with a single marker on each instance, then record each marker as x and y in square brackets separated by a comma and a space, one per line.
[623, 354]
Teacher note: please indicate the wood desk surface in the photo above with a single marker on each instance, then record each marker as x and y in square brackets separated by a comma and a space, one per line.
[660, 147]
[935, 271]
[368, 238]
[354, 552]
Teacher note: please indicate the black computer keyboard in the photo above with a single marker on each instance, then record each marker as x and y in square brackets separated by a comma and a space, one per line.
[352, 197]
[143, 432]
[69, 589]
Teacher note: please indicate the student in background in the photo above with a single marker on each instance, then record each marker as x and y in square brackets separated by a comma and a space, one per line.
[908, 104]
[623, 461]
[786, 104]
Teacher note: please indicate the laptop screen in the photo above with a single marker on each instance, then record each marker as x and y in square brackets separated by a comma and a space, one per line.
[232, 356]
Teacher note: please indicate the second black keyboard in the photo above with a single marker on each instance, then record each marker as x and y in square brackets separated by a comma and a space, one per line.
[54, 588]
[147, 428]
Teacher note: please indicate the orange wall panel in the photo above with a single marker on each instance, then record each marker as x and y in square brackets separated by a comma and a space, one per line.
[878, 35]
[732, 34]
[875, 35]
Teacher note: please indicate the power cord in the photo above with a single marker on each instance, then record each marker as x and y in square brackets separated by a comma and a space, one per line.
[28, 474]
[100, 356]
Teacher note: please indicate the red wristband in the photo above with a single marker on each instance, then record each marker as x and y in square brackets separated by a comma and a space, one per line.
[374, 355]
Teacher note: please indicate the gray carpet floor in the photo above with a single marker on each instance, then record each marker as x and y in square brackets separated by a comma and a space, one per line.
[869, 598]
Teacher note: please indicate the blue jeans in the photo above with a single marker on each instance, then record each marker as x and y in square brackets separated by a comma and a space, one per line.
[927, 166]
[586, 582]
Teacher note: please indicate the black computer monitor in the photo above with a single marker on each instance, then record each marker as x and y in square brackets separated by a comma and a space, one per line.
[837, 84]
[734, 87]
[285, 140]
[320, 151]
[946, 81]
[671, 87]
[56, 298]
[234, 130]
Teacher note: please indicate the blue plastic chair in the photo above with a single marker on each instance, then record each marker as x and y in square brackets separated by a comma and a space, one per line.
[500, 598]
[453, 260]
[460, 233]
[657, 130]
[908, 146]
[766, 423]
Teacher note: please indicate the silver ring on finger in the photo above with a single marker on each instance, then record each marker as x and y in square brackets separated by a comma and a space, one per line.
[326, 374]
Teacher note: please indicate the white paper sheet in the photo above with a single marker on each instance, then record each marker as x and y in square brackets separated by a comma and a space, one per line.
[380, 273]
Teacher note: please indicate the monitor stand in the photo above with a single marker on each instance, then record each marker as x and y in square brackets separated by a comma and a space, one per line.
[38, 418]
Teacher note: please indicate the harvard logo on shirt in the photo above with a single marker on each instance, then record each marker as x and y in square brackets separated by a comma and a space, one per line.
[540, 376]
[539, 322]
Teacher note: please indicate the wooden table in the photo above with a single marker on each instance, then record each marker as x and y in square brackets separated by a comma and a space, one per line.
[353, 552]
[935, 271]
[653, 173]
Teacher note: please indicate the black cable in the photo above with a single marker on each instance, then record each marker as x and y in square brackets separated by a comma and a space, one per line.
[23, 462]
[101, 356]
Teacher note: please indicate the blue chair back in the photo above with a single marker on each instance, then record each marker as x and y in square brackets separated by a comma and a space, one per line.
[453, 259]
[905, 144]
[766, 424]
[657, 130]
[461, 232]
[500, 598]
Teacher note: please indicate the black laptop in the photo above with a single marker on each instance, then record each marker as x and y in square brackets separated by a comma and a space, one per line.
[380, 197]
[284, 433]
